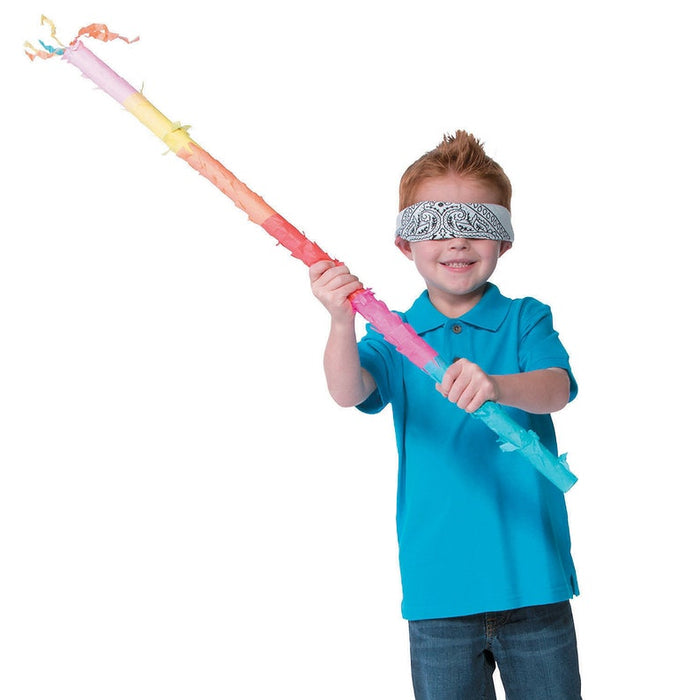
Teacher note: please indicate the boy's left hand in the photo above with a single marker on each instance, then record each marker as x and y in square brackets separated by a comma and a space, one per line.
[467, 385]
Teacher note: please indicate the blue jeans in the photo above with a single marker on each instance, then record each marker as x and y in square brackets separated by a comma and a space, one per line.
[534, 648]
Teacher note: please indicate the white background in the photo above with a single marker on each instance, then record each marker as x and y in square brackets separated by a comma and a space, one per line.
[183, 511]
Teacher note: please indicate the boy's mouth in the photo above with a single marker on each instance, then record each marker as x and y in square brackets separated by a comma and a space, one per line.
[457, 264]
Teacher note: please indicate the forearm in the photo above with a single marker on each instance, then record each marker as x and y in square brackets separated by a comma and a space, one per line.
[333, 285]
[539, 391]
[348, 383]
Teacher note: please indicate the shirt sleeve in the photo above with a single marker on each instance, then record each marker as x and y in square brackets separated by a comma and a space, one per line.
[379, 359]
[540, 346]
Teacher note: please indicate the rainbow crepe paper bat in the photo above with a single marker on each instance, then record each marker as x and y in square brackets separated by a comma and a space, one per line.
[512, 435]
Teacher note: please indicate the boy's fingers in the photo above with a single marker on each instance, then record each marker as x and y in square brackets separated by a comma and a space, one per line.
[334, 275]
[319, 268]
[477, 402]
[454, 379]
[461, 393]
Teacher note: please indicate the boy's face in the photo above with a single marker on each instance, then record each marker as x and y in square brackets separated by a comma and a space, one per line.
[455, 270]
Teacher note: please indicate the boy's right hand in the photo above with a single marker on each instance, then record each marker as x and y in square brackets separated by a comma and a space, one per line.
[332, 284]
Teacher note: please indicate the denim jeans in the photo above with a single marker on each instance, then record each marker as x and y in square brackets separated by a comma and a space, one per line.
[534, 648]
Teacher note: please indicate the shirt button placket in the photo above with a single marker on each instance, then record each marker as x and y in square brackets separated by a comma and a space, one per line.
[455, 329]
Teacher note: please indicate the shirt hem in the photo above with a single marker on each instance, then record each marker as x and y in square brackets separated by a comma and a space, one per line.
[462, 611]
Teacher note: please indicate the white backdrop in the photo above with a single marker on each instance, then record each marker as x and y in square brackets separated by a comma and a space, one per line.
[183, 511]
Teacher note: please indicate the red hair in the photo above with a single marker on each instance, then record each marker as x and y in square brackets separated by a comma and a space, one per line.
[462, 154]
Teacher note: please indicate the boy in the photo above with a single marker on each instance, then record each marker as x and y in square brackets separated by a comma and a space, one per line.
[484, 544]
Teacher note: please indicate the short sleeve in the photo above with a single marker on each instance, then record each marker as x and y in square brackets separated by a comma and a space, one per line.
[378, 358]
[540, 346]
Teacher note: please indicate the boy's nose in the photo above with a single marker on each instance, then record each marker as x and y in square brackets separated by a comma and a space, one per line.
[459, 243]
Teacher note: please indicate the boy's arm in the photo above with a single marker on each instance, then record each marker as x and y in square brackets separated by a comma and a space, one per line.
[538, 391]
[348, 383]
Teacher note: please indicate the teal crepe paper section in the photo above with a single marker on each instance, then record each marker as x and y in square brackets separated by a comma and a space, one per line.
[52, 49]
[514, 437]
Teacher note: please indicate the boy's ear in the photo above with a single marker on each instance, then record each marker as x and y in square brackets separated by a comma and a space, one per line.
[404, 246]
[505, 245]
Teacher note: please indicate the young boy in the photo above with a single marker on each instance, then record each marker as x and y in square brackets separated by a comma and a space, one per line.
[484, 545]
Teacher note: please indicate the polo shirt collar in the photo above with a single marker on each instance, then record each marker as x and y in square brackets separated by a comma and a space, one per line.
[489, 313]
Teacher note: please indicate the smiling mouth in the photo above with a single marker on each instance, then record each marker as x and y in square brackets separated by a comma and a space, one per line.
[457, 264]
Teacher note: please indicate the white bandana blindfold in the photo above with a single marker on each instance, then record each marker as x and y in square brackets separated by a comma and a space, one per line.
[428, 221]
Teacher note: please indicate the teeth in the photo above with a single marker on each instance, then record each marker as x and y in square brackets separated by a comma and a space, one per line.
[457, 264]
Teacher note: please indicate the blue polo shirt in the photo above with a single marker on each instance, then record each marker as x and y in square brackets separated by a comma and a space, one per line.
[479, 529]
